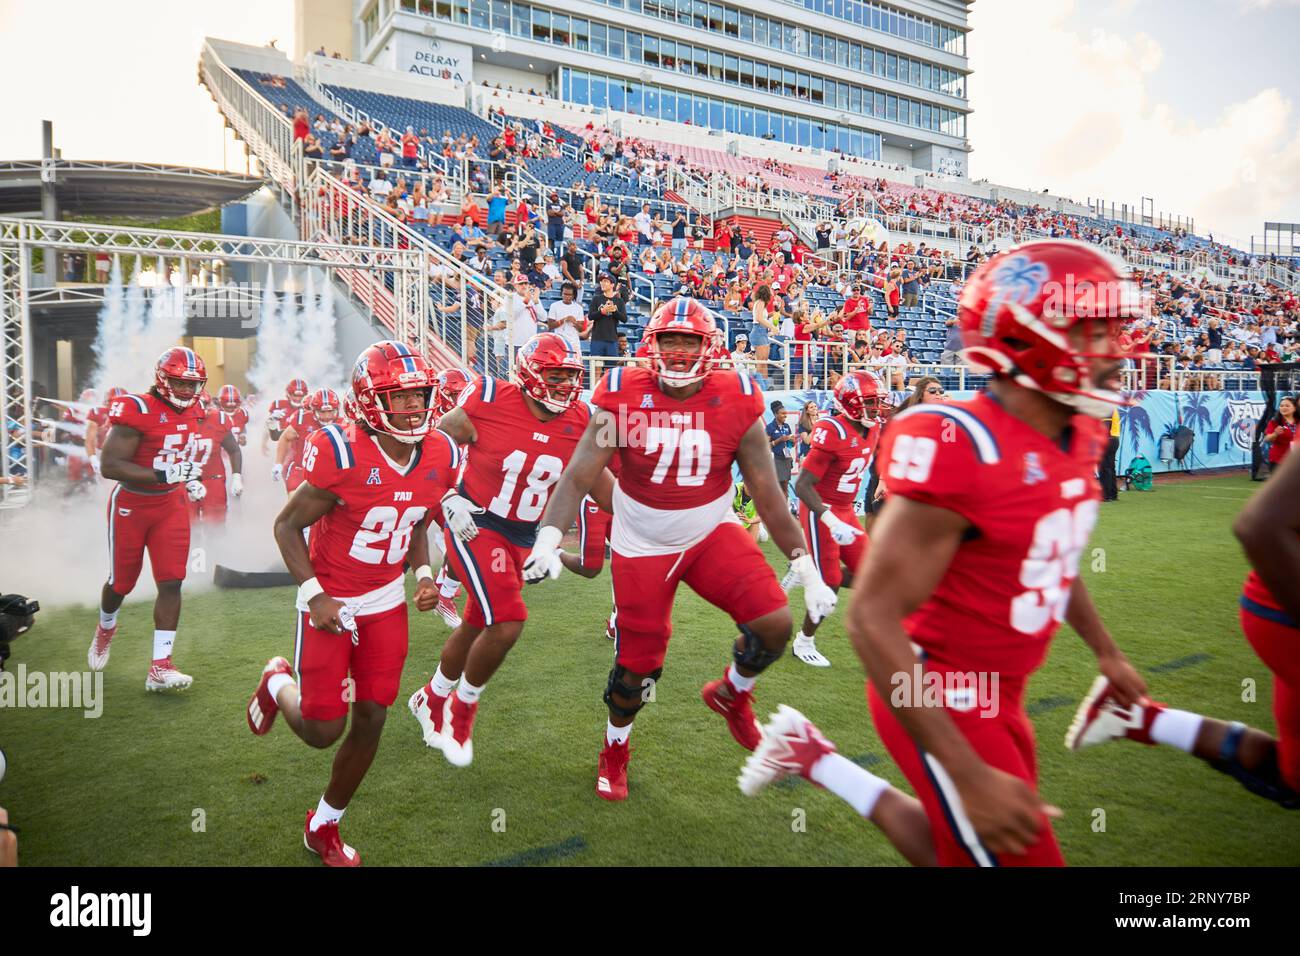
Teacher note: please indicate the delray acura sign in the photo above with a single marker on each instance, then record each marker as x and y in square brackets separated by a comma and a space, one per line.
[439, 61]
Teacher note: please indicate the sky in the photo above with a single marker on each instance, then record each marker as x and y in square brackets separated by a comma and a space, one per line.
[1194, 103]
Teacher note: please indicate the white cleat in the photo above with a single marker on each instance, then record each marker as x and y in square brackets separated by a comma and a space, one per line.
[419, 704]
[791, 744]
[447, 611]
[163, 675]
[1101, 718]
[806, 651]
[97, 656]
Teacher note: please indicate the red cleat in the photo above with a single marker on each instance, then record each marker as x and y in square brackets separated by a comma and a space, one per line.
[457, 739]
[1101, 718]
[611, 771]
[447, 611]
[262, 707]
[430, 712]
[609, 629]
[97, 656]
[328, 845]
[735, 705]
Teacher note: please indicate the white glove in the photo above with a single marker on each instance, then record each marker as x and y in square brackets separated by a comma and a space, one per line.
[196, 490]
[94, 464]
[179, 472]
[237, 485]
[459, 512]
[277, 471]
[841, 531]
[544, 560]
[818, 599]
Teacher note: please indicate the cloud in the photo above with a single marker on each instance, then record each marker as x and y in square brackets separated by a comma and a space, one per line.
[1067, 108]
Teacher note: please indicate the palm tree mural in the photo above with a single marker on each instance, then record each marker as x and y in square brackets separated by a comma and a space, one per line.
[1135, 422]
[1225, 417]
[1196, 412]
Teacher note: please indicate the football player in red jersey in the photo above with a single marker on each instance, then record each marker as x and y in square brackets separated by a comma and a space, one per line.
[232, 403]
[321, 408]
[974, 564]
[145, 452]
[93, 417]
[447, 389]
[295, 394]
[678, 428]
[829, 482]
[521, 435]
[1269, 529]
[594, 523]
[367, 500]
[213, 434]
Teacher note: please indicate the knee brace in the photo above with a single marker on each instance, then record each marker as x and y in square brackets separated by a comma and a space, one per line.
[616, 685]
[753, 654]
[1264, 782]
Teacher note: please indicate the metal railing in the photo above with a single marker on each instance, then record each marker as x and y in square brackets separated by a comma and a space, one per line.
[268, 132]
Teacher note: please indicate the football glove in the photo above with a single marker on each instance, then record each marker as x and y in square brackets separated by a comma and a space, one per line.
[237, 485]
[818, 599]
[277, 472]
[544, 560]
[842, 532]
[196, 490]
[181, 472]
[459, 512]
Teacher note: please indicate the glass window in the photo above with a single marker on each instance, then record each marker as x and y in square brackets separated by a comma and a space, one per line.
[634, 104]
[774, 34]
[685, 59]
[802, 84]
[914, 72]
[650, 102]
[650, 51]
[715, 114]
[633, 46]
[634, 5]
[818, 93]
[700, 107]
[700, 15]
[731, 70]
[599, 91]
[683, 108]
[560, 29]
[868, 104]
[842, 139]
[617, 95]
[760, 30]
[855, 57]
[880, 104]
[668, 54]
[731, 118]
[891, 66]
[818, 135]
[760, 76]
[855, 99]
[842, 52]
[521, 20]
[789, 134]
[460, 13]
[581, 34]
[855, 143]
[564, 82]
[541, 25]
[747, 73]
[841, 96]
[891, 107]
[479, 14]
[804, 132]
[731, 19]
[746, 121]
[684, 12]
[701, 61]
[789, 38]
[746, 26]
[760, 122]
[501, 15]
[599, 39]
[580, 93]
[616, 43]
[715, 65]
[789, 85]
[668, 106]
[875, 18]
[927, 76]
[715, 17]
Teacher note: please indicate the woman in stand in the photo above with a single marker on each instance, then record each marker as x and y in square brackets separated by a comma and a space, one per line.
[1280, 432]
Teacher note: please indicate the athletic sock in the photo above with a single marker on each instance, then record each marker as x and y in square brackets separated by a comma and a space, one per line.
[855, 786]
[106, 620]
[739, 681]
[1176, 728]
[162, 644]
[440, 684]
[617, 735]
[276, 683]
[801, 636]
[467, 692]
[325, 814]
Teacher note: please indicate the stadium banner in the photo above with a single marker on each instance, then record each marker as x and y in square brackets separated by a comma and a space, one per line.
[1223, 424]
[439, 61]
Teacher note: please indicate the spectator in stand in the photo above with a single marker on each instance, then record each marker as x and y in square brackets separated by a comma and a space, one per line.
[823, 231]
[410, 148]
[568, 319]
[784, 240]
[926, 390]
[952, 344]
[496, 217]
[857, 310]
[301, 124]
[644, 227]
[1280, 433]
[742, 359]
[762, 329]
[524, 244]
[380, 187]
[893, 293]
[555, 223]
[605, 312]
[911, 289]
[572, 269]
[528, 314]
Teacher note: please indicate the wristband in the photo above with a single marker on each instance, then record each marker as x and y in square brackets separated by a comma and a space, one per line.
[423, 571]
[308, 590]
[160, 475]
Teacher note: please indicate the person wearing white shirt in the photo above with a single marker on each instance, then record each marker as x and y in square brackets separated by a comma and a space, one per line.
[567, 318]
[528, 316]
[742, 358]
[643, 225]
[551, 270]
[380, 187]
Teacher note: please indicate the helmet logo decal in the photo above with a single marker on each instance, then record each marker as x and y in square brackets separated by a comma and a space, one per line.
[1019, 280]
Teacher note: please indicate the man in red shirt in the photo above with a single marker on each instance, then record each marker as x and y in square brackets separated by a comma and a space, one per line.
[857, 310]
[410, 148]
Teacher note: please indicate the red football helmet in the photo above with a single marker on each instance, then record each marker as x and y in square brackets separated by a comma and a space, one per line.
[450, 384]
[858, 397]
[325, 405]
[543, 353]
[117, 391]
[682, 315]
[229, 399]
[204, 398]
[350, 410]
[1018, 307]
[179, 364]
[296, 391]
[88, 397]
[391, 367]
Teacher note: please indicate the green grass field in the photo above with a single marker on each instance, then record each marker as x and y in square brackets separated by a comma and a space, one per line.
[124, 788]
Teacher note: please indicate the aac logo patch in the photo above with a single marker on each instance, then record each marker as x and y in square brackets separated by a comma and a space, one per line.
[1033, 469]
[647, 401]
[374, 477]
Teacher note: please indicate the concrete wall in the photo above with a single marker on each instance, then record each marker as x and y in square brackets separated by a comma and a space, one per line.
[318, 23]
[363, 76]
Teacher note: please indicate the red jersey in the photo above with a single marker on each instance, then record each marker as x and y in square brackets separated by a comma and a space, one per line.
[238, 422]
[515, 460]
[1256, 593]
[1032, 505]
[98, 415]
[840, 457]
[164, 432]
[204, 446]
[360, 545]
[304, 425]
[675, 483]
